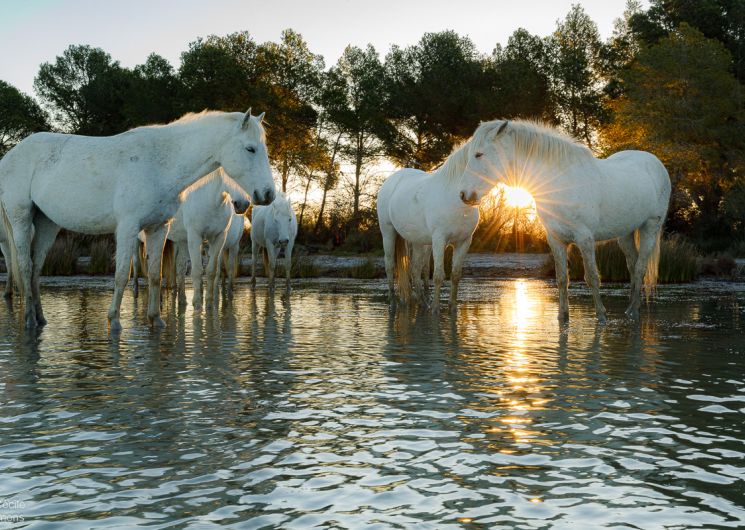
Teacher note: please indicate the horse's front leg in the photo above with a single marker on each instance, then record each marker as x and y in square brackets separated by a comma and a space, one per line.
[254, 257]
[559, 251]
[288, 264]
[155, 240]
[182, 264]
[126, 246]
[195, 254]
[438, 254]
[459, 256]
[418, 253]
[271, 252]
[592, 276]
[216, 244]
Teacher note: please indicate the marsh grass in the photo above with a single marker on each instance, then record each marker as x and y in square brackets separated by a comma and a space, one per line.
[62, 257]
[678, 262]
[303, 267]
[102, 252]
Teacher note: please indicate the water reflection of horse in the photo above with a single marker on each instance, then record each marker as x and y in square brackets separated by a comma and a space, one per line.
[580, 199]
[120, 184]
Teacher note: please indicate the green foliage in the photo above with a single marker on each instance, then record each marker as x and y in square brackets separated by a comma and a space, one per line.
[695, 126]
[20, 116]
[153, 93]
[85, 91]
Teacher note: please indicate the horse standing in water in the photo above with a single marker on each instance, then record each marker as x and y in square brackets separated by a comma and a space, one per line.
[426, 209]
[121, 184]
[273, 231]
[580, 199]
[205, 215]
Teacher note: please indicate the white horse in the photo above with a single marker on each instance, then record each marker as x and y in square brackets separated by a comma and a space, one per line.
[580, 199]
[206, 215]
[121, 184]
[426, 210]
[273, 231]
[238, 226]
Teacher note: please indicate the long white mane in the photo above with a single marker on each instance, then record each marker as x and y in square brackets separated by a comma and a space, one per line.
[455, 164]
[537, 141]
[255, 127]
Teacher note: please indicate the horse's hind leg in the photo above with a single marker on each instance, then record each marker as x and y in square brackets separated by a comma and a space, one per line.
[459, 256]
[288, 264]
[155, 240]
[254, 257]
[647, 240]
[231, 268]
[559, 251]
[438, 254]
[21, 221]
[195, 254]
[389, 248]
[9, 282]
[216, 245]
[628, 247]
[418, 254]
[592, 276]
[126, 246]
[182, 264]
[45, 232]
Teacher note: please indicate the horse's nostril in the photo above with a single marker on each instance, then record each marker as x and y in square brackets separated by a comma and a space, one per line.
[463, 196]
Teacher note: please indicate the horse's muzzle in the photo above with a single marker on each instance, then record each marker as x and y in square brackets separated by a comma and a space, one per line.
[240, 207]
[471, 199]
[266, 198]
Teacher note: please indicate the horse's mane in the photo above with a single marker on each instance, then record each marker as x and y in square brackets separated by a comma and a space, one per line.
[538, 141]
[455, 164]
[255, 126]
[281, 204]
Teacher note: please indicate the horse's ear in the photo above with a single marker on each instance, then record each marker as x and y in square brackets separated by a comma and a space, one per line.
[502, 127]
[260, 117]
[246, 119]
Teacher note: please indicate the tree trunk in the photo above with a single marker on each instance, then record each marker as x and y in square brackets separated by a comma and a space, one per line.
[357, 173]
[305, 201]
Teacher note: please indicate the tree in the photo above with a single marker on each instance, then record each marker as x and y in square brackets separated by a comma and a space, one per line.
[221, 73]
[85, 91]
[520, 83]
[575, 83]
[437, 91]
[153, 94]
[20, 116]
[353, 99]
[723, 20]
[695, 125]
[620, 50]
[291, 77]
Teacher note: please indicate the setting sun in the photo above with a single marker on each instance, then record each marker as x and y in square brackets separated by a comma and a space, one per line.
[515, 197]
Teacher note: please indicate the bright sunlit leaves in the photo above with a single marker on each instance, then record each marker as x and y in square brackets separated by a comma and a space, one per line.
[515, 197]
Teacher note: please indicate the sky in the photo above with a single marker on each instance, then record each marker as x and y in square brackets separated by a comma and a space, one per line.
[36, 31]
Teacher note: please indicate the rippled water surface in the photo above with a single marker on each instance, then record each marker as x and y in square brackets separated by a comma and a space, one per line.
[324, 410]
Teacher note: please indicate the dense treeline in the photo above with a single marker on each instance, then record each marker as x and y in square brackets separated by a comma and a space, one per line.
[669, 80]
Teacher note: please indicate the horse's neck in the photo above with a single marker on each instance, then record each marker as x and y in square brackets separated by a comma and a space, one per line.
[230, 186]
[196, 154]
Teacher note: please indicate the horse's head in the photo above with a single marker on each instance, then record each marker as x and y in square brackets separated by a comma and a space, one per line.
[485, 166]
[245, 158]
[282, 215]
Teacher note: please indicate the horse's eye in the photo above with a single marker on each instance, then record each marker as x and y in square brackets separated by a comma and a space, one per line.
[479, 155]
[251, 149]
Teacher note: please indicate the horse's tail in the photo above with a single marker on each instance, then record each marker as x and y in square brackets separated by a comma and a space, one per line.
[13, 265]
[402, 270]
[653, 264]
[168, 264]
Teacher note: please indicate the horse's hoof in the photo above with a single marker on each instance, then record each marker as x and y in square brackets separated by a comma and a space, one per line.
[115, 326]
[602, 320]
[157, 322]
[632, 313]
[41, 321]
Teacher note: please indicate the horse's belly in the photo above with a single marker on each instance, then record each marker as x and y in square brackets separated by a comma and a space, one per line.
[79, 216]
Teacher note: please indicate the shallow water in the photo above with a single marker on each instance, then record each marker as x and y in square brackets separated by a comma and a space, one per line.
[324, 410]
